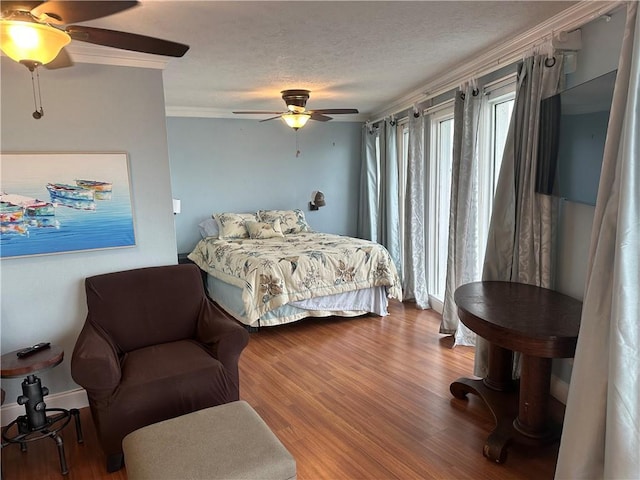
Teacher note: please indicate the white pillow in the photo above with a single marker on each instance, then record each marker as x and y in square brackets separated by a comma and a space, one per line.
[208, 228]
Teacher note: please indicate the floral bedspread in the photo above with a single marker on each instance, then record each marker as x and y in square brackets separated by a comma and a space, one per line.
[276, 271]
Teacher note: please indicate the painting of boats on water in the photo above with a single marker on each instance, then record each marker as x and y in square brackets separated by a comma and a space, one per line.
[64, 202]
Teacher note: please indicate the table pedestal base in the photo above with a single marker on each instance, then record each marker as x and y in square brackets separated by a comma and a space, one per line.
[504, 407]
[36, 424]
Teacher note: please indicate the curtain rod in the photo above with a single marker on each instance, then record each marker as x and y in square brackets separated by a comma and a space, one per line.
[509, 78]
[570, 19]
[426, 111]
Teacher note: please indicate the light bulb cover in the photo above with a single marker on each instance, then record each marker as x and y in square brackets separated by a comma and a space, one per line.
[32, 42]
[296, 120]
[317, 200]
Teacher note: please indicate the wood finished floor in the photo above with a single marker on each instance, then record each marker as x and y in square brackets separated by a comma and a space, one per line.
[362, 398]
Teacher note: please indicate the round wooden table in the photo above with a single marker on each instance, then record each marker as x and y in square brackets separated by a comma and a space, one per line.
[36, 424]
[14, 367]
[539, 323]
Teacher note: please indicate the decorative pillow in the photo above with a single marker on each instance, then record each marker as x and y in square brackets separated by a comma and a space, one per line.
[208, 228]
[233, 225]
[264, 229]
[291, 221]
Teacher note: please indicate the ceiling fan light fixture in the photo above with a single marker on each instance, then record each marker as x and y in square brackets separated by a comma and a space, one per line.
[28, 42]
[295, 108]
[296, 120]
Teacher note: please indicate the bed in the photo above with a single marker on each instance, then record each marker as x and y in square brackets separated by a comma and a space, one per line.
[269, 268]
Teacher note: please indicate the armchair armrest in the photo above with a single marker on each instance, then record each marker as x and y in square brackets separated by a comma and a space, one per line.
[95, 364]
[224, 337]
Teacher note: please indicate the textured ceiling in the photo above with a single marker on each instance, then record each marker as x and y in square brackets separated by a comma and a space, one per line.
[362, 55]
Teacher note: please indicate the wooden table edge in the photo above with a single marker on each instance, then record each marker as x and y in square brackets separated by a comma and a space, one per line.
[14, 367]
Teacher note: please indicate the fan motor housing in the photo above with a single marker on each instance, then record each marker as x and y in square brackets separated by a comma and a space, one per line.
[295, 98]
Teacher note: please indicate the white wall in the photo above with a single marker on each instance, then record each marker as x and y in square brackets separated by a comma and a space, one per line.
[229, 165]
[88, 108]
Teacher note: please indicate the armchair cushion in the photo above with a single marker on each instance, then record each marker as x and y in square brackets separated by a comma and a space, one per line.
[161, 382]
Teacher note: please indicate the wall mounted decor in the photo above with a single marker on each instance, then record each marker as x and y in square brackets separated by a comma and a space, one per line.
[64, 202]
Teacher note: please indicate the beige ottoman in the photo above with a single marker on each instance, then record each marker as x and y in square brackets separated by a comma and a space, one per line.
[227, 442]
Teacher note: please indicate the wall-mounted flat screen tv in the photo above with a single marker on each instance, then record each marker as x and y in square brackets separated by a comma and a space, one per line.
[573, 129]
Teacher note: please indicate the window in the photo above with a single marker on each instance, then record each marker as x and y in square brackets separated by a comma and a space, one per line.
[438, 201]
[494, 126]
[497, 106]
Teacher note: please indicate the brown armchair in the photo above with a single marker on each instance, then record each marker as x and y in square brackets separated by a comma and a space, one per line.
[153, 347]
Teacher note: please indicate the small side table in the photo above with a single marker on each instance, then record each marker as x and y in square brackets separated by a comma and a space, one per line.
[36, 423]
[539, 323]
[183, 258]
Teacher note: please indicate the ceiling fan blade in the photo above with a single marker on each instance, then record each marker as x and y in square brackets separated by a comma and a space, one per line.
[126, 41]
[80, 11]
[336, 111]
[63, 60]
[319, 117]
[267, 119]
[259, 112]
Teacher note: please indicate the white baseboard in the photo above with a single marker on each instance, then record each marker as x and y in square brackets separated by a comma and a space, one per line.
[70, 399]
[436, 304]
[559, 389]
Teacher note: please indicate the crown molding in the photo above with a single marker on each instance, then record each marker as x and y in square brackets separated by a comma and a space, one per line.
[502, 55]
[86, 53]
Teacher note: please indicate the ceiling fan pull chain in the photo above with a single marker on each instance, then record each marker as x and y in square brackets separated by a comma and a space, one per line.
[39, 93]
[33, 87]
[297, 145]
[38, 112]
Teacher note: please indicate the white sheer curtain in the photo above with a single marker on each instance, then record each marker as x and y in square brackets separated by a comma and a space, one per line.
[522, 227]
[464, 242]
[378, 216]
[415, 278]
[601, 436]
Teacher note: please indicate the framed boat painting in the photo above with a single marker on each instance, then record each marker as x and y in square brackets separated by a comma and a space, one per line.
[64, 202]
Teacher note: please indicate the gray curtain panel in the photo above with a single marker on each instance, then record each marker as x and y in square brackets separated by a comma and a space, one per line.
[389, 224]
[368, 198]
[522, 227]
[601, 434]
[415, 277]
[464, 241]
[378, 216]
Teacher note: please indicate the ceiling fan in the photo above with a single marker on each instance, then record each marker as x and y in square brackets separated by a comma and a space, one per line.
[35, 33]
[297, 115]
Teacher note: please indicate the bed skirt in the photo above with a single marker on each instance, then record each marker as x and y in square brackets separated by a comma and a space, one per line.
[348, 304]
